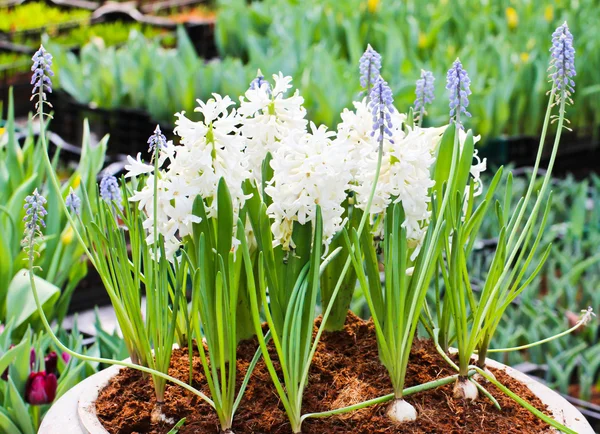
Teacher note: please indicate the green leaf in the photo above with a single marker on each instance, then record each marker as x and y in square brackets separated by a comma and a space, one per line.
[20, 304]
[6, 424]
[224, 219]
[18, 408]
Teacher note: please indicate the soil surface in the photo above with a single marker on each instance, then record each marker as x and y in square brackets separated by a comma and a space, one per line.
[346, 370]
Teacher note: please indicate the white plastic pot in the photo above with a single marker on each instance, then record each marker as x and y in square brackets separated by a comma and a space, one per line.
[75, 412]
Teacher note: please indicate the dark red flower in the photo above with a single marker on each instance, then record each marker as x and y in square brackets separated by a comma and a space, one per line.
[40, 388]
[50, 361]
[66, 357]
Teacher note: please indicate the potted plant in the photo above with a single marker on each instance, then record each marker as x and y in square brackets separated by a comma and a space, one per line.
[253, 208]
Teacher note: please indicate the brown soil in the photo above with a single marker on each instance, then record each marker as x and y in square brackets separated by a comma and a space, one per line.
[345, 371]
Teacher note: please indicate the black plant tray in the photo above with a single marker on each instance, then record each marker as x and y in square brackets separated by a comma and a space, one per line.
[578, 153]
[90, 292]
[17, 76]
[129, 129]
[201, 33]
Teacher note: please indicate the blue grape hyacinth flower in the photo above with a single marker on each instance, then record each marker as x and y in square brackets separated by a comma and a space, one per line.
[458, 83]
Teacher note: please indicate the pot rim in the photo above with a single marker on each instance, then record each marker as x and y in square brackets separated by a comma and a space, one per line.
[86, 394]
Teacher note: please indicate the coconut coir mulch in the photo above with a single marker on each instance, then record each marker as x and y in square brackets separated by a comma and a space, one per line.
[346, 370]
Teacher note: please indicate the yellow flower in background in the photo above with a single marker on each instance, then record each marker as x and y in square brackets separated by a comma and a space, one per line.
[512, 17]
[372, 5]
[549, 13]
[67, 236]
[2, 131]
[422, 40]
[524, 57]
[76, 181]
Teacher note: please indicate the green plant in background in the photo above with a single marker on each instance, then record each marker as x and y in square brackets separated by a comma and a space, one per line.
[12, 64]
[143, 75]
[505, 44]
[569, 279]
[149, 339]
[21, 167]
[261, 168]
[469, 319]
[114, 33]
[38, 15]
[34, 375]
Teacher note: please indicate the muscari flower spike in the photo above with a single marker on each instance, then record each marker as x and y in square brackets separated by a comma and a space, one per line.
[42, 63]
[157, 140]
[458, 83]
[381, 104]
[562, 63]
[424, 92]
[34, 214]
[259, 82]
[109, 190]
[73, 202]
[369, 67]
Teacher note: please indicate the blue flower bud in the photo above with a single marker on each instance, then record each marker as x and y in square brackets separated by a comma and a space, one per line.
[73, 202]
[369, 67]
[157, 140]
[109, 190]
[562, 62]
[42, 62]
[381, 104]
[34, 213]
[424, 92]
[458, 83]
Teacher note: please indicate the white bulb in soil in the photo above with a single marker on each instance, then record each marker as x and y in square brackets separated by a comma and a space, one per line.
[480, 378]
[157, 416]
[465, 389]
[401, 411]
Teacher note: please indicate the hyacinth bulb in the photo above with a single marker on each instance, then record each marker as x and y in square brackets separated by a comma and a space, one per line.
[401, 411]
[465, 389]
[40, 388]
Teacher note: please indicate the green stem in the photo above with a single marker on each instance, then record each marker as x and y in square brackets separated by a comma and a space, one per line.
[406, 392]
[345, 269]
[87, 358]
[54, 181]
[549, 420]
[583, 321]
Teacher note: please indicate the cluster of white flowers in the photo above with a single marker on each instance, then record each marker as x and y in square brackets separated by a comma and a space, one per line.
[405, 176]
[309, 170]
[269, 117]
[310, 167]
[210, 149]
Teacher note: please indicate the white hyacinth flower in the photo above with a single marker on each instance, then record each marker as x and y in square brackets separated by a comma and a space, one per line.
[309, 170]
[210, 149]
[268, 117]
[405, 176]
